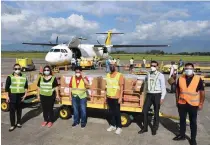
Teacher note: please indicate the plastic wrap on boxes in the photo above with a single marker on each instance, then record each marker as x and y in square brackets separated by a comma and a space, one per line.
[65, 81]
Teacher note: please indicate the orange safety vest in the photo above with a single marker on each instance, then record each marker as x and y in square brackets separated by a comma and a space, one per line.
[189, 94]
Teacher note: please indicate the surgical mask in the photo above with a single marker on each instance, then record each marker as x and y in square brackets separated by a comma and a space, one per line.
[188, 72]
[17, 72]
[153, 68]
[77, 74]
[46, 73]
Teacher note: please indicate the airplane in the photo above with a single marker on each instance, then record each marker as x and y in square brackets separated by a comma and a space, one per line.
[61, 54]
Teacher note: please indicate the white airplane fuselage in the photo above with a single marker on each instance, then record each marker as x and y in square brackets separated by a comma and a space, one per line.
[62, 55]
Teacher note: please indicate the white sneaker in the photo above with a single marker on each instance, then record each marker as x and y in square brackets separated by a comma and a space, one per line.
[111, 128]
[118, 131]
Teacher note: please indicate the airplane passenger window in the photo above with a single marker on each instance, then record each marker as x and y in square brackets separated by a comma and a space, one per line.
[57, 50]
[65, 51]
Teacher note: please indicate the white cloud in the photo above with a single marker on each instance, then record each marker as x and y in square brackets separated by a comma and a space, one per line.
[123, 19]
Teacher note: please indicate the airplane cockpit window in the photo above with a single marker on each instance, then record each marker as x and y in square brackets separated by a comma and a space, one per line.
[65, 51]
[57, 50]
[62, 51]
[51, 50]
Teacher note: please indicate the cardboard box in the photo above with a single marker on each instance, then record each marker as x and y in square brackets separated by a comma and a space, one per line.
[98, 83]
[64, 91]
[138, 85]
[65, 81]
[130, 104]
[100, 100]
[131, 98]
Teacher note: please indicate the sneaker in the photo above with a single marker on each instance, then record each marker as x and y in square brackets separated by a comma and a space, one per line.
[44, 123]
[19, 125]
[11, 128]
[118, 131]
[83, 126]
[111, 128]
[74, 124]
[49, 124]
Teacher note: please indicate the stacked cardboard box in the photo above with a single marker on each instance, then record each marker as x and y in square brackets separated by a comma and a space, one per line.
[64, 85]
[132, 95]
[98, 88]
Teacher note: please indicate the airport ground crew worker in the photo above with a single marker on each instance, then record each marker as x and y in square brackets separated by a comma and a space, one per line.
[144, 63]
[107, 65]
[118, 64]
[78, 95]
[16, 86]
[131, 65]
[190, 97]
[156, 91]
[114, 90]
[174, 75]
[47, 93]
[73, 63]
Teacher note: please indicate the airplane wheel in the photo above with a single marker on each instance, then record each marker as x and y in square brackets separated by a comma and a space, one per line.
[65, 112]
[4, 106]
[125, 120]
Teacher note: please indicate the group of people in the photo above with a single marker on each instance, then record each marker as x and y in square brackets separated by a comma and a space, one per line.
[189, 97]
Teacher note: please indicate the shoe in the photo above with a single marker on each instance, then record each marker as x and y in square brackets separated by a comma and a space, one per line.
[118, 131]
[74, 124]
[179, 137]
[19, 125]
[142, 131]
[11, 128]
[193, 142]
[111, 128]
[83, 126]
[154, 131]
[49, 124]
[44, 123]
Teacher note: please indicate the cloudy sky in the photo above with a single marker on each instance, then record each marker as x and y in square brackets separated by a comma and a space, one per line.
[183, 25]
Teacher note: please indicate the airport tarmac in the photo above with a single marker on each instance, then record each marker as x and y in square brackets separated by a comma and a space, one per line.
[61, 133]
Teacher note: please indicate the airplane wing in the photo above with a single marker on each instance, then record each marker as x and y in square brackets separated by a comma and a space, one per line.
[42, 44]
[120, 46]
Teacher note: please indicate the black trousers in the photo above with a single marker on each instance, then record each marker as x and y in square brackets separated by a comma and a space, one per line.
[114, 112]
[185, 109]
[152, 99]
[47, 103]
[173, 88]
[15, 108]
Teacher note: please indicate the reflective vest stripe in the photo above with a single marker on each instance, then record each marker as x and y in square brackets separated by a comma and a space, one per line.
[187, 93]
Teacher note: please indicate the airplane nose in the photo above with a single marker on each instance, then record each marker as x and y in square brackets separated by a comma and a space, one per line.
[49, 58]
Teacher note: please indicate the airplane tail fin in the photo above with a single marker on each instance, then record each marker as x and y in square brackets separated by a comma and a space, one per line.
[109, 36]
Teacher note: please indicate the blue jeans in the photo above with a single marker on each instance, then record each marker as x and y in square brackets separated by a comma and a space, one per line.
[79, 105]
[107, 68]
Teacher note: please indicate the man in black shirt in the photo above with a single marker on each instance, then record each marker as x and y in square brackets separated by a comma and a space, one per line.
[16, 86]
[190, 97]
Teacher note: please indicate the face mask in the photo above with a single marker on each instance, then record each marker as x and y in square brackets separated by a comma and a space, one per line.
[77, 74]
[153, 69]
[188, 72]
[17, 71]
[46, 73]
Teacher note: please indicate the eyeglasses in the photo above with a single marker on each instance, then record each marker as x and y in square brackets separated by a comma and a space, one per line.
[17, 69]
[153, 66]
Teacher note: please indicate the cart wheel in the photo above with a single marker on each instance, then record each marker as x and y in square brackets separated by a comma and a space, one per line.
[64, 112]
[125, 120]
[4, 106]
